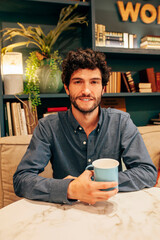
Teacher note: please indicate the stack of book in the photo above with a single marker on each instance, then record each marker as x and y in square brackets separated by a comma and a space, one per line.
[148, 76]
[105, 38]
[144, 87]
[150, 42]
[54, 110]
[20, 120]
[114, 83]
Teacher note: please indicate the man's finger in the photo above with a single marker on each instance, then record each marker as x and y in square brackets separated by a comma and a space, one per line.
[104, 185]
[88, 174]
[105, 194]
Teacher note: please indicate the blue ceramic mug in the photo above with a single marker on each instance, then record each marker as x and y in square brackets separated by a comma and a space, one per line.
[105, 170]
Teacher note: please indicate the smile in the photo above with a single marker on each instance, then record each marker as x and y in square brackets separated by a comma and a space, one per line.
[85, 99]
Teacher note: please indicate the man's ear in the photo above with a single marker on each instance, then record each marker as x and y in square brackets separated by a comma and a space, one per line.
[66, 89]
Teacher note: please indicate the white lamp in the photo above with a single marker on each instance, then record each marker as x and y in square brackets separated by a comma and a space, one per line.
[12, 72]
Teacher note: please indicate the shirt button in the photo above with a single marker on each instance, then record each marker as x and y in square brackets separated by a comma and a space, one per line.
[98, 130]
[84, 142]
[75, 131]
[80, 128]
[89, 160]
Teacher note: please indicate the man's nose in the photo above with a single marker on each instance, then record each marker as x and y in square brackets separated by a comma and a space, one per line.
[86, 89]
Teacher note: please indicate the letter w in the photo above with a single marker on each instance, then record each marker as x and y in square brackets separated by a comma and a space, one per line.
[129, 11]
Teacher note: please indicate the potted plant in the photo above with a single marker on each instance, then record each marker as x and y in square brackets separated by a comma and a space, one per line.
[43, 72]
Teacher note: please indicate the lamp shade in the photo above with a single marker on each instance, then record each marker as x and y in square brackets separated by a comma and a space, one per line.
[12, 63]
[12, 72]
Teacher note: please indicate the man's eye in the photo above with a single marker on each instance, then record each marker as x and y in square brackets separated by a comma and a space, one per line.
[77, 82]
[94, 82]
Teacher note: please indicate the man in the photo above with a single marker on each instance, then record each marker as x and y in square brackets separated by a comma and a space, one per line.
[72, 140]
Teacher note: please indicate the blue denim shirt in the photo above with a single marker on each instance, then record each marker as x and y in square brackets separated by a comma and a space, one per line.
[60, 139]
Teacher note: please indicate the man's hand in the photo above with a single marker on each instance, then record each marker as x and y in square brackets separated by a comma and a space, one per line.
[86, 190]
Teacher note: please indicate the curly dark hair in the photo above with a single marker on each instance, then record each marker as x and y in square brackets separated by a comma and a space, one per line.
[82, 59]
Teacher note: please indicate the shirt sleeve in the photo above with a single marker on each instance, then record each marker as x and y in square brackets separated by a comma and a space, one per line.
[141, 171]
[27, 182]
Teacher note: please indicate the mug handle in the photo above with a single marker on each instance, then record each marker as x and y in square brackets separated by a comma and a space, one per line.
[90, 167]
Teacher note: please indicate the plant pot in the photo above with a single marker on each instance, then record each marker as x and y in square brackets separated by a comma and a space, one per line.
[49, 80]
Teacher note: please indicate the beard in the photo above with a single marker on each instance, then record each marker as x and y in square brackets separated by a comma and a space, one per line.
[83, 110]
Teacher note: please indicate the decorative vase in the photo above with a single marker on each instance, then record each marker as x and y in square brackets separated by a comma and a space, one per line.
[49, 80]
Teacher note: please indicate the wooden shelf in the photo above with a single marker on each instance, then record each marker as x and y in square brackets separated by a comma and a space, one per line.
[137, 52]
[64, 95]
[137, 94]
[52, 95]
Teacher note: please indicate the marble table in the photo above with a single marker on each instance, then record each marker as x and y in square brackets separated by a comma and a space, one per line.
[126, 216]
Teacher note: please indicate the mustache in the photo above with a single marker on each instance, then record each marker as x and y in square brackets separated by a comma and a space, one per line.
[87, 96]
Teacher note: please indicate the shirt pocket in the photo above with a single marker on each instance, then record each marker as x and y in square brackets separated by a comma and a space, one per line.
[110, 153]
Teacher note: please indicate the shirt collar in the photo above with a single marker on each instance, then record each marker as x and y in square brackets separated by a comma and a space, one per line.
[72, 119]
[75, 124]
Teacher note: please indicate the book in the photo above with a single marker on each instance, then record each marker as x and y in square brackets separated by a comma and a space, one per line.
[101, 34]
[130, 82]
[25, 132]
[118, 36]
[132, 41]
[114, 84]
[156, 43]
[8, 106]
[114, 43]
[125, 39]
[148, 75]
[150, 38]
[15, 119]
[96, 36]
[20, 118]
[113, 38]
[124, 84]
[118, 82]
[145, 90]
[26, 111]
[56, 109]
[157, 76]
[118, 103]
[6, 121]
[149, 46]
[144, 85]
[33, 117]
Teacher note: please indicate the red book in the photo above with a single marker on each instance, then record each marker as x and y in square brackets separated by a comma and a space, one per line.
[158, 81]
[57, 109]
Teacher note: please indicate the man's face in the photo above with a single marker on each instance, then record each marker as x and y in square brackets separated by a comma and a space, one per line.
[85, 89]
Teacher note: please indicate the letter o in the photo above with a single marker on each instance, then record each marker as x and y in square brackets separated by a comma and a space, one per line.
[150, 8]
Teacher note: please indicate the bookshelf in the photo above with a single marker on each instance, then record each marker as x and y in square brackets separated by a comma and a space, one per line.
[44, 13]
[141, 106]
